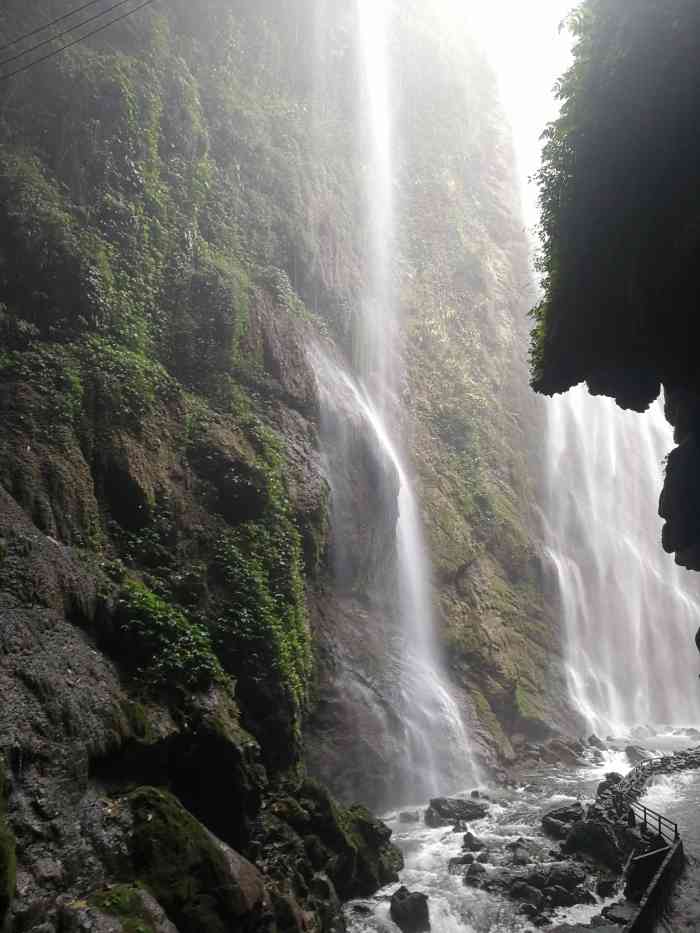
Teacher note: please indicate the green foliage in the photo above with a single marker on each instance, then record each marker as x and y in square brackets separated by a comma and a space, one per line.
[161, 644]
[263, 628]
[54, 373]
[618, 177]
[127, 385]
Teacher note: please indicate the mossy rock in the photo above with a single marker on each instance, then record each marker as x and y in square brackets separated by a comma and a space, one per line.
[200, 884]
[378, 861]
[126, 903]
[362, 856]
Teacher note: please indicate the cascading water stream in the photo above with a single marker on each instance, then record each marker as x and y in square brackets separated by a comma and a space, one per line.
[433, 750]
[629, 612]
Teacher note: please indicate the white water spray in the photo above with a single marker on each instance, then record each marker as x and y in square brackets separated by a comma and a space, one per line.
[412, 704]
[428, 705]
[377, 335]
[629, 612]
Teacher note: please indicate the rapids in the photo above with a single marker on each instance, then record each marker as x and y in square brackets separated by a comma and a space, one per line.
[515, 813]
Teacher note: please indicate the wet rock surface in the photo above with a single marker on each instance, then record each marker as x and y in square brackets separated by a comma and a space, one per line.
[409, 911]
[444, 811]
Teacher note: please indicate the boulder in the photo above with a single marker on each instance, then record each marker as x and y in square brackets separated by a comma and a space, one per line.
[444, 811]
[595, 742]
[409, 816]
[471, 843]
[527, 894]
[607, 886]
[565, 753]
[519, 854]
[636, 753]
[565, 875]
[596, 839]
[558, 822]
[484, 856]
[475, 873]
[409, 911]
[537, 878]
[557, 896]
[455, 865]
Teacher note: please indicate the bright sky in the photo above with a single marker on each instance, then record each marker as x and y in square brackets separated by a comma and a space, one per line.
[529, 52]
[523, 42]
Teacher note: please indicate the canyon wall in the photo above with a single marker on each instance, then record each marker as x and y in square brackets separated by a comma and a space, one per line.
[179, 225]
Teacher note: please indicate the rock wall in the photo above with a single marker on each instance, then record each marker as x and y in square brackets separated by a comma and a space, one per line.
[178, 224]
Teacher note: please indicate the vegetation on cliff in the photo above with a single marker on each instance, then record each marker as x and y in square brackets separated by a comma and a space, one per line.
[618, 193]
[179, 204]
[164, 245]
[620, 243]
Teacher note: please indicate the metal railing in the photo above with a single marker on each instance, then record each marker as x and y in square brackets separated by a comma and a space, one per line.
[655, 822]
[649, 819]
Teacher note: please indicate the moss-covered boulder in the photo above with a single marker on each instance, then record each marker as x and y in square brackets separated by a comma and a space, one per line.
[201, 884]
[350, 845]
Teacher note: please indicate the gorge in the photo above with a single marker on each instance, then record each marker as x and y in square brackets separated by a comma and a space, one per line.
[282, 526]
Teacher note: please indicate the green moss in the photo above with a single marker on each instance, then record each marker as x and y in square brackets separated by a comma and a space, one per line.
[364, 858]
[8, 858]
[55, 374]
[265, 627]
[127, 385]
[161, 644]
[181, 865]
[124, 902]
[529, 705]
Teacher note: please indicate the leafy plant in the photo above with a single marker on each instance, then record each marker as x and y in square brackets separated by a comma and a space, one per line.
[161, 644]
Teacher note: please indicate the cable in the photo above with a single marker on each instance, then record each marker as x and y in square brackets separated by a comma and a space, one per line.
[69, 45]
[60, 35]
[53, 22]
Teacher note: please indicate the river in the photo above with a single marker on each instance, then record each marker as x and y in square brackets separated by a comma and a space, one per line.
[515, 813]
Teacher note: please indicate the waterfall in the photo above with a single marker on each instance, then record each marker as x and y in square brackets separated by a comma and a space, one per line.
[378, 548]
[629, 612]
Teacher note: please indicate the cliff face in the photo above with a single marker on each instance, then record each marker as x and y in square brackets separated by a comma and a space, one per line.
[178, 224]
[619, 197]
[477, 428]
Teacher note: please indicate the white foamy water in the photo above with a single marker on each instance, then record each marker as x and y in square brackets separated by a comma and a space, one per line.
[629, 613]
[435, 755]
[515, 814]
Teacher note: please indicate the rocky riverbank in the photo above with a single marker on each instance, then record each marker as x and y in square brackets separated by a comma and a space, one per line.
[545, 848]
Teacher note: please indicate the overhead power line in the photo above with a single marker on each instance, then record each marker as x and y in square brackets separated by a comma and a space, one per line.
[68, 45]
[46, 26]
[66, 32]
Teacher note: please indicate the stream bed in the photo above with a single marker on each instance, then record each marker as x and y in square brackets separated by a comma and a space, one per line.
[515, 814]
